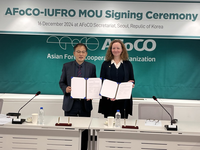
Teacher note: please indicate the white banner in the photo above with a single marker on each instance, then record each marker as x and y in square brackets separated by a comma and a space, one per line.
[101, 18]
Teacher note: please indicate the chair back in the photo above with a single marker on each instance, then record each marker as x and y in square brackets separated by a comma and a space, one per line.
[1, 104]
[155, 111]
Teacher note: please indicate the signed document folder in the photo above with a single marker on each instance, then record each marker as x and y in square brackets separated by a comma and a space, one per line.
[112, 89]
[85, 88]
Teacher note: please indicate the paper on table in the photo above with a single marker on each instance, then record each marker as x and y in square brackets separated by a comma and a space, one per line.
[93, 88]
[78, 86]
[124, 90]
[109, 88]
[4, 119]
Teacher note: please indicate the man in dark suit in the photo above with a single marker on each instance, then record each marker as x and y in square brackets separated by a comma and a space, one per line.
[77, 68]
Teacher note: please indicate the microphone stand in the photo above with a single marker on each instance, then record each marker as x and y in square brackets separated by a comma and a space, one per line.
[171, 126]
[17, 120]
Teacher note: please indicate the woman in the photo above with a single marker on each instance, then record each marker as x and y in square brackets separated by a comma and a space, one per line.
[117, 68]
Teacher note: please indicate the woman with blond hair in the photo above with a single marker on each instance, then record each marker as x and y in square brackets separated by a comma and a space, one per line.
[117, 68]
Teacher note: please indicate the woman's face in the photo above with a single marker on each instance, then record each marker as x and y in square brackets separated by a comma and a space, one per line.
[116, 49]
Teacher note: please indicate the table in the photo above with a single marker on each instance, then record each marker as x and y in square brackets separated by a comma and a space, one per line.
[51, 137]
[44, 137]
[146, 137]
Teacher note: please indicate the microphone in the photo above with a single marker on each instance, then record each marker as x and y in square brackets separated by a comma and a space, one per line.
[17, 120]
[168, 127]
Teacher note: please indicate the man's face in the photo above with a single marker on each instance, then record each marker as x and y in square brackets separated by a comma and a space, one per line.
[80, 53]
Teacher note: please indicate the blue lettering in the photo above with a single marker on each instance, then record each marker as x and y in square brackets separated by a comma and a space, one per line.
[108, 15]
[15, 10]
[57, 11]
[64, 12]
[8, 11]
[36, 12]
[21, 12]
[28, 14]
[81, 13]
[72, 13]
[147, 14]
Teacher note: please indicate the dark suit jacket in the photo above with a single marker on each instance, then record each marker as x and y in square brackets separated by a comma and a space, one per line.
[106, 74]
[68, 71]
[128, 71]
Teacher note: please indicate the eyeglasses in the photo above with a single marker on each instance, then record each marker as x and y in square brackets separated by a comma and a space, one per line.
[83, 52]
[153, 121]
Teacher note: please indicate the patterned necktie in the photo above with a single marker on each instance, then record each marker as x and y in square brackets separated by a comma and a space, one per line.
[79, 71]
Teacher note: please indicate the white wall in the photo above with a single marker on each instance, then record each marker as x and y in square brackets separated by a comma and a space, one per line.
[184, 110]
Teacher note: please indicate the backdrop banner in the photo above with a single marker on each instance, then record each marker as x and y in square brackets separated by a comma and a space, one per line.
[114, 18]
[167, 68]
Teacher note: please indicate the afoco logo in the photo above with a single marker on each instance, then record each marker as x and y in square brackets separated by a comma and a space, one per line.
[139, 45]
[92, 43]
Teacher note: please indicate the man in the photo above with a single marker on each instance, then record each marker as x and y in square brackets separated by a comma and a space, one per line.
[77, 68]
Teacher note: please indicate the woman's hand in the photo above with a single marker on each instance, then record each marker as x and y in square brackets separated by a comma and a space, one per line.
[112, 99]
[132, 82]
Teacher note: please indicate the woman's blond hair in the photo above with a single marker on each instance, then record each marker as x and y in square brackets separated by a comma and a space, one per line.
[110, 56]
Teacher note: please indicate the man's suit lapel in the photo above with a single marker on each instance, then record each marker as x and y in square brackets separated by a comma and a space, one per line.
[72, 71]
[85, 70]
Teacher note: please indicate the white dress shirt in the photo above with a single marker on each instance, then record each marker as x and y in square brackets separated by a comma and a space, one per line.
[116, 65]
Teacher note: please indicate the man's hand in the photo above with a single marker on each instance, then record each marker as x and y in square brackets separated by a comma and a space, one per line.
[68, 89]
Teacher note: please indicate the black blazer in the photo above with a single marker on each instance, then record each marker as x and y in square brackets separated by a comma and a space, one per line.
[106, 74]
[128, 71]
[68, 71]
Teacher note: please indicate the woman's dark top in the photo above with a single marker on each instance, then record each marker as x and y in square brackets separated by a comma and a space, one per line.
[123, 74]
